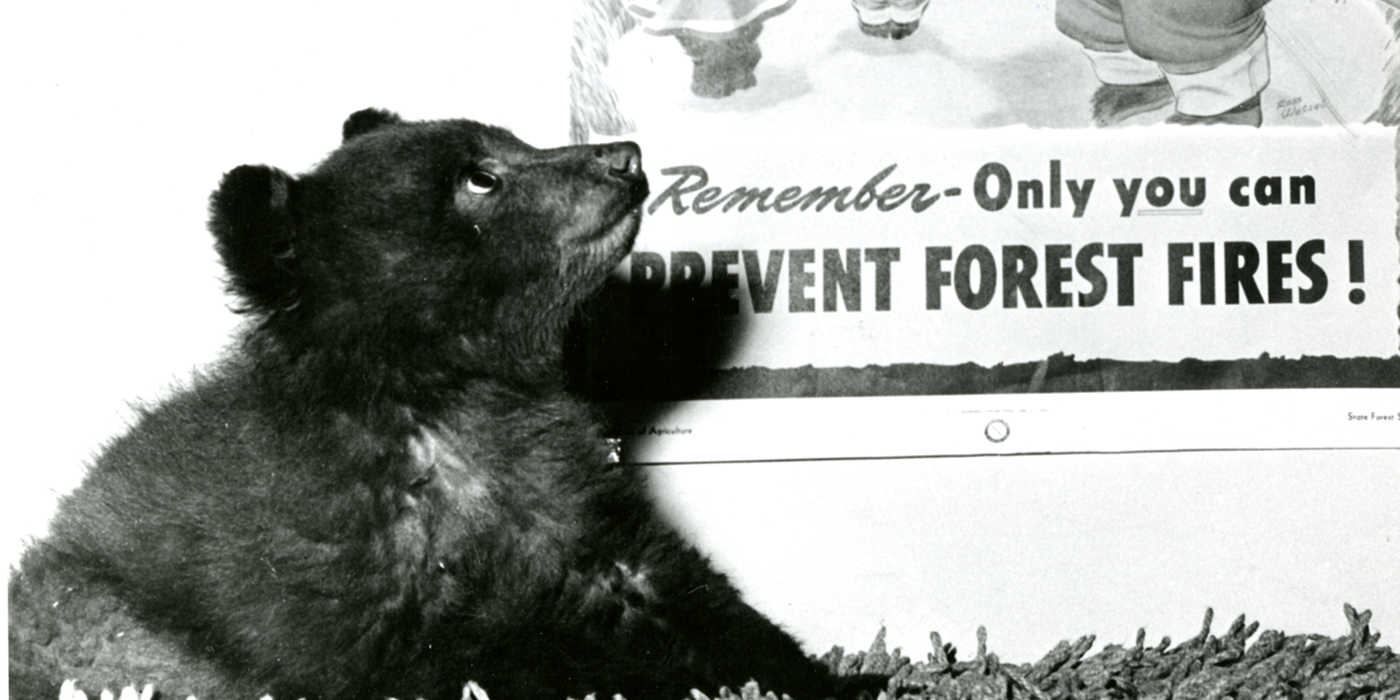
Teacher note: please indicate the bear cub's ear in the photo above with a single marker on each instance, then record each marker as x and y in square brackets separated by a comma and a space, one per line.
[254, 227]
[367, 120]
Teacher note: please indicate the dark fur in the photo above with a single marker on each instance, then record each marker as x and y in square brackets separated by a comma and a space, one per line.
[385, 490]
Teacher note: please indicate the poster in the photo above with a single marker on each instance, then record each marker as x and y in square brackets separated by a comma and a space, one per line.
[1080, 463]
[879, 223]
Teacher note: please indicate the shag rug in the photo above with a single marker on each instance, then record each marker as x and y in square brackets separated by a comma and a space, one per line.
[1275, 666]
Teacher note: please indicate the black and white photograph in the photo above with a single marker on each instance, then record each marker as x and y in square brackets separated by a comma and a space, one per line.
[701, 349]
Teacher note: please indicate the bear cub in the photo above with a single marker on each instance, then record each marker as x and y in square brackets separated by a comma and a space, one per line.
[385, 490]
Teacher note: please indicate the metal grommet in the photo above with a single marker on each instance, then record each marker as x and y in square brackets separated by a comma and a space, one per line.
[997, 430]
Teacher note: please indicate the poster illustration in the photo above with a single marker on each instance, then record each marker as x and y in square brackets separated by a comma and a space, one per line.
[912, 200]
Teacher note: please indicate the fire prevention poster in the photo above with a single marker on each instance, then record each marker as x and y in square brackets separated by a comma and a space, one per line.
[848, 249]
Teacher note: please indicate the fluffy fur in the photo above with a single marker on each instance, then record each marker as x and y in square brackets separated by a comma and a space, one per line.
[385, 490]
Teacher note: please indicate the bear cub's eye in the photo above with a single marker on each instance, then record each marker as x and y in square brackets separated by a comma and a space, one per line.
[482, 182]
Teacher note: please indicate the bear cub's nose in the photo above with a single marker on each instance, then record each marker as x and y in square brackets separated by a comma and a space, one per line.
[623, 159]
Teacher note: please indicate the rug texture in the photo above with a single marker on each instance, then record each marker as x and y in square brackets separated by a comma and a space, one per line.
[1274, 666]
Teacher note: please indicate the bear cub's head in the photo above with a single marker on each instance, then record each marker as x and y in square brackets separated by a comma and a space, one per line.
[426, 247]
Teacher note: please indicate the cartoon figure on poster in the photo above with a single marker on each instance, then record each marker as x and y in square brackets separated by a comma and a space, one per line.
[1208, 56]
[889, 19]
[720, 36]
[962, 65]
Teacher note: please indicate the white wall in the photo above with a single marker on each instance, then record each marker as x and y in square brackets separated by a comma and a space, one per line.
[121, 118]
